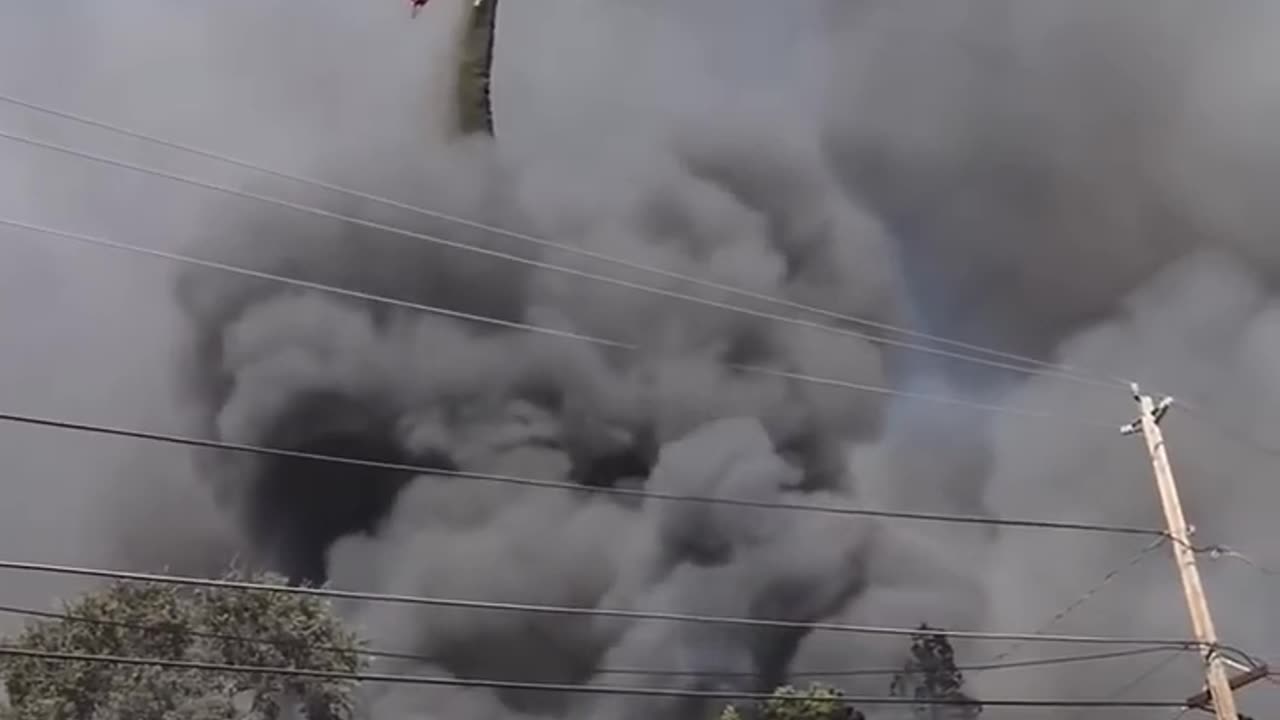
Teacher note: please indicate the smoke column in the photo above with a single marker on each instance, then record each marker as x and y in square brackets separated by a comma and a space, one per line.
[1081, 181]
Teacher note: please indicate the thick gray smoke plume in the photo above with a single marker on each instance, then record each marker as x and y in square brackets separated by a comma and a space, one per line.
[1086, 179]
[311, 373]
[1077, 180]
[1059, 152]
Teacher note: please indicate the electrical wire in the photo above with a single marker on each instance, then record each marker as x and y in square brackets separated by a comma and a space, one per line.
[605, 279]
[557, 485]
[554, 687]
[1217, 552]
[656, 672]
[1239, 658]
[514, 325]
[1045, 368]
[1223, 551]
[1088, 594]
[225, 189]
[1051, 369]
[1011, 665]
[1141, 678]
[575, 611]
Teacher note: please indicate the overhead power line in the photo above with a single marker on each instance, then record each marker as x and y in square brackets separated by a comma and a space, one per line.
[298, 207]
[526, 327]
[1135, 682]
[576, 611]
[1089, 594]
[1146, 675]
[1243, 439]
[563, 486]
[553, 687]
[1217, 552]
[1029, 365]
[656, 672]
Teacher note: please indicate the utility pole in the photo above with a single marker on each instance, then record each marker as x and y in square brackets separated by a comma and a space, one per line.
[1148, 423]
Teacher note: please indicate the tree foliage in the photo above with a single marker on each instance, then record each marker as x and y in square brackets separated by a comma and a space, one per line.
[259, 628]
[817, 703]
[931, 676]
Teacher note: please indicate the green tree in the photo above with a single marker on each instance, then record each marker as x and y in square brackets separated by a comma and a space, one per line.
[931, 676]
[260, 628]
[817, 703]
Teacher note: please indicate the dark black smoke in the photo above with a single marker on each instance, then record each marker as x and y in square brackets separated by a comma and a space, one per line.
[1089, 180]
[298, 507]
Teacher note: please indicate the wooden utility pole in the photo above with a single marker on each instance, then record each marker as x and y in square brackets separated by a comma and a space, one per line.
[1148, 423]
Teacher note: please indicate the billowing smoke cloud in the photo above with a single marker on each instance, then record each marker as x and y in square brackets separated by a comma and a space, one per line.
[307, 372]
[266, 364]
[1078, 180]
[1084, 180]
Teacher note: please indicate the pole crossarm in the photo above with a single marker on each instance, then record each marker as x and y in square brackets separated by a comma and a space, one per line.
[1203, 700]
